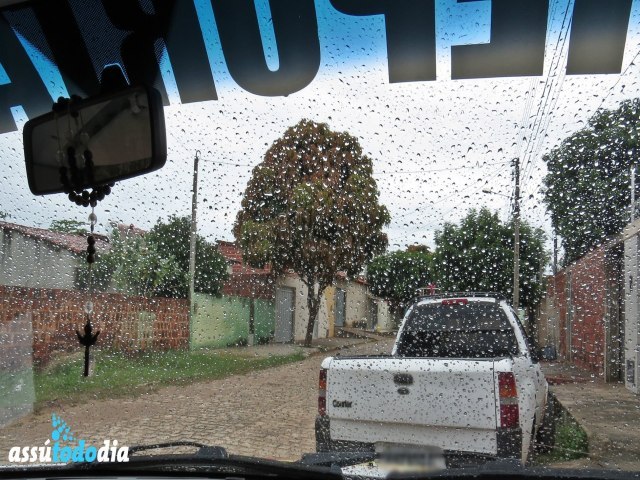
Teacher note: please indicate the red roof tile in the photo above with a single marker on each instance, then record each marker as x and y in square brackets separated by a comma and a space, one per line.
[68, 241]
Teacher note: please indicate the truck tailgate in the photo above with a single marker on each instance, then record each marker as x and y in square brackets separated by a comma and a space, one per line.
[441, 402]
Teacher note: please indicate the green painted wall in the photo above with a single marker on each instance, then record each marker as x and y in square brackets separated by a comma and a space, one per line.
[223, 322]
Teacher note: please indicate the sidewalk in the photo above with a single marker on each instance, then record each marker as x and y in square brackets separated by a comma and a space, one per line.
[319, 345]
[608, 412]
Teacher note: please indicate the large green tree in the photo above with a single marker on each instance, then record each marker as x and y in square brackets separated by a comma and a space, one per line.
[157, 263]
[134, 266]
[172, 239]
[312, 206]
[477, 255]
[397, 276]
[588, 180]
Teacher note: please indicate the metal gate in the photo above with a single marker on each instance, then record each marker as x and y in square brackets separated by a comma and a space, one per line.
[285, 298]
[341, 303]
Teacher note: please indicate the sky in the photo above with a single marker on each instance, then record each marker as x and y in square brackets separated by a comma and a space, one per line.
[435, 145]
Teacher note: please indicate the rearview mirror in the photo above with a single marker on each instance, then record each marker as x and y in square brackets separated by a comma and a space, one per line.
[95, 141]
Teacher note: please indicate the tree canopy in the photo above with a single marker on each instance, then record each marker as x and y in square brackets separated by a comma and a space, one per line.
[588, 181]
[69, 226]
[312, 206]
[477, 255]
[157, 263]
[397, 276]
[172, 239]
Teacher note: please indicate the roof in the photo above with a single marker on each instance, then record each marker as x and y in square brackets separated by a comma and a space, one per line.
[233, 255]
[230, 251]
[129, 230]
[68, 241]
[343, 276]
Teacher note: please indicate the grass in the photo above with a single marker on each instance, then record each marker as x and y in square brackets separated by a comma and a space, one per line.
[115, 374]
[571, 442]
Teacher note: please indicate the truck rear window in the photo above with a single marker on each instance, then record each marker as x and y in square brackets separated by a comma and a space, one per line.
[471, 330]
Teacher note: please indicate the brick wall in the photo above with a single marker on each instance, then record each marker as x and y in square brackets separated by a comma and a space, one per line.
[126, 323]
[578, 299]
[588, 309]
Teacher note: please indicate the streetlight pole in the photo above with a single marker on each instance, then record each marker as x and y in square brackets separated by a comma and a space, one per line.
[516, 238]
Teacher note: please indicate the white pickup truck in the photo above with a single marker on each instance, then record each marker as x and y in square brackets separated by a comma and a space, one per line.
[461, 379]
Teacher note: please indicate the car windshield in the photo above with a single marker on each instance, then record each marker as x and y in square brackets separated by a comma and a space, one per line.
[217, 216]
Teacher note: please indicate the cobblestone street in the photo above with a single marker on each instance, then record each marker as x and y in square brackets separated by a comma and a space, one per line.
[269, 413]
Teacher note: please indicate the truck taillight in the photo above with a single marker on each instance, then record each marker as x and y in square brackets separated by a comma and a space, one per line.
[322, 392]
[509, 412]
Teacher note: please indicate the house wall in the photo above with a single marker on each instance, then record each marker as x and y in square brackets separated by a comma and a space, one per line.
[222, 322]
[385, 317]
[632, 305]
[330, 302]
[32, 263]
[125, 323]
[301, 312]
[357, 294]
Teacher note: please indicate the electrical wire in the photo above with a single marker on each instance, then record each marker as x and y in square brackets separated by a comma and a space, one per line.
[454, 194]
[536, 141]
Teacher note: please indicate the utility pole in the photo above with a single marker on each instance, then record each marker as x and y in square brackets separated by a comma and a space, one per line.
[192, 239]
[633, 193]
[516, 239]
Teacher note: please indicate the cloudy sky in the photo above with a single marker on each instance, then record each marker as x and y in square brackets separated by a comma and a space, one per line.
[436, 145]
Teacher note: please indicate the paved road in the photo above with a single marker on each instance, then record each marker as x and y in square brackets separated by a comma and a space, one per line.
[269, 413]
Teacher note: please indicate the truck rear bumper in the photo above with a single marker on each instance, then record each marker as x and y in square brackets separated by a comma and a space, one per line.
[509, 442]
[324, 443]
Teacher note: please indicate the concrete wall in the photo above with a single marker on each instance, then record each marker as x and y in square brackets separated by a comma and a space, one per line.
[222, 322]
[28, 262]
[17, 392]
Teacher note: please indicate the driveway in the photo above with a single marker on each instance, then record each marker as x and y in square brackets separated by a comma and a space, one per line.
[269, 413]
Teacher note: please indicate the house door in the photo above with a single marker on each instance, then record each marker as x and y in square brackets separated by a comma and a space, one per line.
[284, 315]
[341, 304]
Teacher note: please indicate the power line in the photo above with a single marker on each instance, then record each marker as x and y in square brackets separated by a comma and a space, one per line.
[618, 81]
[547, 84]
[434, 170]
[231, 164]
[534, 143]
[454, 194]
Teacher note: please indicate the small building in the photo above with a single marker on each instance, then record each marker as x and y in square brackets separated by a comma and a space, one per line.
[346, 303]
[40, 258]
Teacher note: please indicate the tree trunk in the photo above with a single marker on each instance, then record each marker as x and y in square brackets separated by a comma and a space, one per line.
[313, 305]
